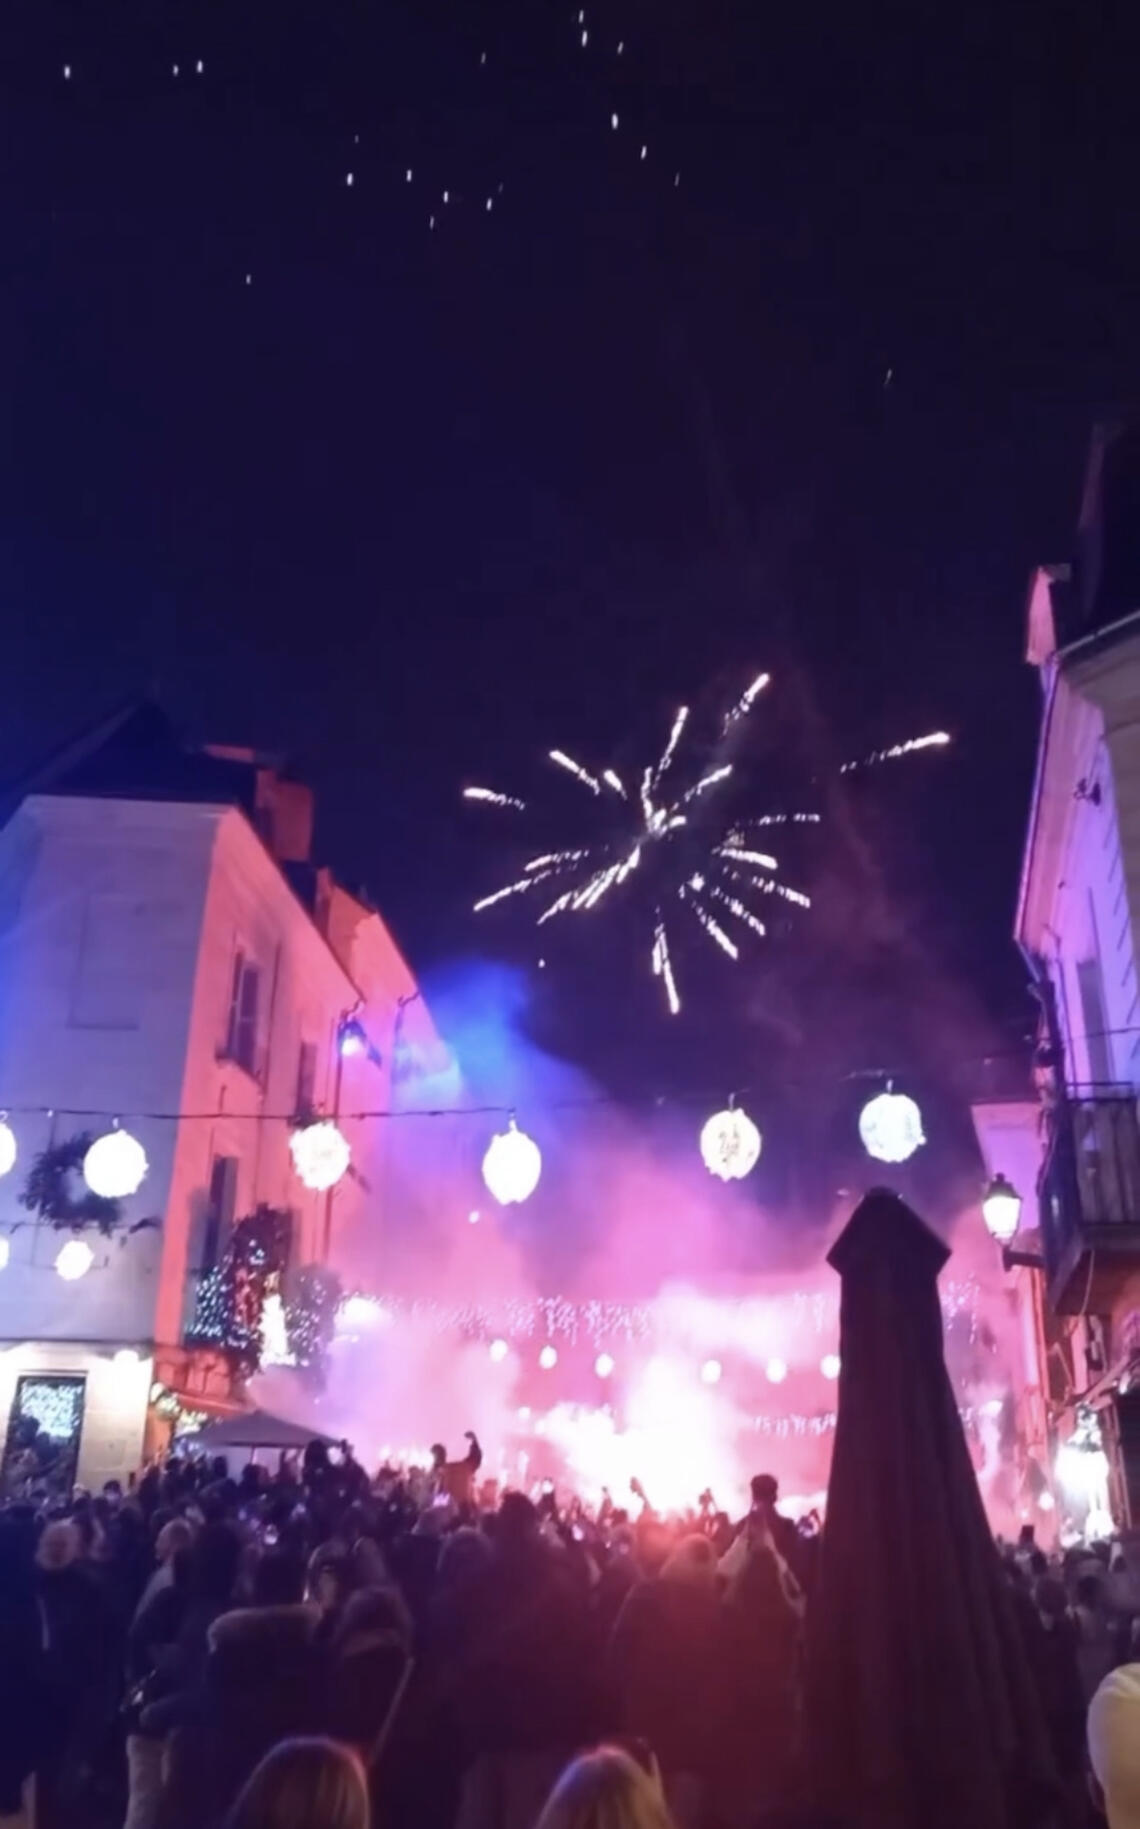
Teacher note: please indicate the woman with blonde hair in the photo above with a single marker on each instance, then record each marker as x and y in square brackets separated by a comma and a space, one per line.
[304, 1784]
[606, 1789]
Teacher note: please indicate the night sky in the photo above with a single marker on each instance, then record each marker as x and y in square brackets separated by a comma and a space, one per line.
[807, 386]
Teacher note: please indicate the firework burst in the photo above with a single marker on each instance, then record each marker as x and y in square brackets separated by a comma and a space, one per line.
[668, 828]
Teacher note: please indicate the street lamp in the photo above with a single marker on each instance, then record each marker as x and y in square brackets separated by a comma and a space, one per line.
[1001, 1209]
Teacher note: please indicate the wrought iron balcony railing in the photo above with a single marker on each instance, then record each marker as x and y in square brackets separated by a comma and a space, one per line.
[1089, 1187]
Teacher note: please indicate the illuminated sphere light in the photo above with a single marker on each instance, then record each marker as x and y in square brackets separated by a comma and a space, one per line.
[711, 1371]
[115, 1164]
[499, 1350]
[604, 1365]
[890, 1126]
[5, 1250]
[7, 1147]
[776, 1371]
[126, 1359]
[1001, 1209]
[730, 1145]
[829, 1365]
[74, 1260]
[512, 1166]
[548, 1358]
[320, 1154]
[1046, 1501]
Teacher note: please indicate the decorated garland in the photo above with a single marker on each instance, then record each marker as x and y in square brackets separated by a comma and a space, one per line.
[56, 1191]
[312, 1298]
[227, 1313]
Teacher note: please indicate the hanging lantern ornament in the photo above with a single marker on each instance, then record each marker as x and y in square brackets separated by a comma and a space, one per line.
[74, 1260]
[1001, 1209]
[730, 1144]
[320, 1153]
[115, 1165]
[890, 1126]
[7, 1145]
[512, 1165]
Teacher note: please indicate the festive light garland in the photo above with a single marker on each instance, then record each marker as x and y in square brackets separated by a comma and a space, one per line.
[602, 1323]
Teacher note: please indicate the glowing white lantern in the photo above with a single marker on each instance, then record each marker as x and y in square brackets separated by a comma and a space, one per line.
[512, 1166]
[548, 1358]
[829, 1365]
[499, 1350]
[711, 1371]
[125, 1360]
[320, 1154]
[5, 1250]
[730, 1145]
[1001, 1209]
[7, 1146]
[776, 1371]
[114, 1166]
[75, 1260]
[604, 1365]
[890, 1126]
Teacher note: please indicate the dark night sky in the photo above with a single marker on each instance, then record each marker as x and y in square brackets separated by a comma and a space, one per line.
[415, 504]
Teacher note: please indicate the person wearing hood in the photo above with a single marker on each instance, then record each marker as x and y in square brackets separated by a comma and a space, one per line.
[263, 1681]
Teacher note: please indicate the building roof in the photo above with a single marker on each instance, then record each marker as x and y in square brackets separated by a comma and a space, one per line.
[135, 754]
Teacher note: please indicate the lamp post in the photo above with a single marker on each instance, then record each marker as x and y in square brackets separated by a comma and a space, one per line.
[1001, 1209]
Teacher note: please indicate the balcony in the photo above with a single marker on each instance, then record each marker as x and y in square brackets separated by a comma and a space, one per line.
[1089, 1196]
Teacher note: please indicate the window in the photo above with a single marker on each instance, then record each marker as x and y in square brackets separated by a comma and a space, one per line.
[241, 1035]
[306, 1080]
[220, 1207]
[44, 1426]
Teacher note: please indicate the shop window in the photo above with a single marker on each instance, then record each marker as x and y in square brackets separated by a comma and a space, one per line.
[44, 1427]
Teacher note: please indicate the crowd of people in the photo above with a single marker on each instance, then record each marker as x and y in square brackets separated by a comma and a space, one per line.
[311, 1648]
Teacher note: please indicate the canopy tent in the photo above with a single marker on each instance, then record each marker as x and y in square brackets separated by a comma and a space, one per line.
[256, 1429]
[922, 1707]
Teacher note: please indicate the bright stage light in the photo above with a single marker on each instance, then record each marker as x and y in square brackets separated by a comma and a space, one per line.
[776, 1371]
[498, 1351]
[829, 1365]
[603, 1365]
[711, 1371]
[512, 1166]
[548, 1358]
[891, 1127]
[730, 1144]
[115, 1164]
[360, 1310]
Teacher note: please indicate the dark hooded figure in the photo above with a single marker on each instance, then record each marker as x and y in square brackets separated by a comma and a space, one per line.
[922, 1708]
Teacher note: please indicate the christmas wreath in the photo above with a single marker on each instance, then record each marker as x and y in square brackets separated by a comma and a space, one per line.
[56, 1191]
